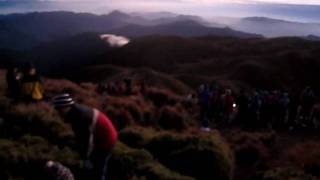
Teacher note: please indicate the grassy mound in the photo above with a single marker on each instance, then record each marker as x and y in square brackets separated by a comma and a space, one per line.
[202, 156]
[283, 173]
[306, 156]
[27, 156]
[173, 118]
[32, 134]
[251, 149]
[127, 162]
[36, 119]
[126, 111]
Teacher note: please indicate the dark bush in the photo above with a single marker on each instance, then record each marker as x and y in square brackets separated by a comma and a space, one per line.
[140, 110]
[136, 137]
[84, 94]
[252, 148]
[36, 119]
[158, 172]
[283, 173]
[197, 155]
[204, 157]
[161, 97]
[305, 155]
[120, 117]
[127, 163]
[26, 157]
[172, 118]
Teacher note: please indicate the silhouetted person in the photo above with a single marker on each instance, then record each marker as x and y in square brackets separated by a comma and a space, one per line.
[215, 102]
[111, 88]
[204, 103]
[315, 116]
[31, 85]
[228, 105]
[95, 134]
[128, 86]
[243, 108]
[275, 109]
[143, 88]
[13, 81]
[284, 102]
[254, 109]
[307, 100]
[102, 88]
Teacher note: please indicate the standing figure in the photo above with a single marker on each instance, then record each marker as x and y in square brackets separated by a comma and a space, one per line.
[243, 109]
[13, 81]
[307, 101]
[31, 85]
[204, 103]
[228, 102]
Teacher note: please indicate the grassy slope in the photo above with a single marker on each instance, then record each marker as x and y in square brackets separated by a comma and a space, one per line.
[253, 151]
[279, 63]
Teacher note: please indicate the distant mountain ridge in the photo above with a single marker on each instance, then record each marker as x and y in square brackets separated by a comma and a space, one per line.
[41, 27]
[273, 27]
[23, 31]
[187, 28]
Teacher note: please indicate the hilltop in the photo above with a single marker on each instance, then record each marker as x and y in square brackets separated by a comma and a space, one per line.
[159, 139]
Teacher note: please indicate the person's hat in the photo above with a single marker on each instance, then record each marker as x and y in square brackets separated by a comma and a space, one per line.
[63, 100]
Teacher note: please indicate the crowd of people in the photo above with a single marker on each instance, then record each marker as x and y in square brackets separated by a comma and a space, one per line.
[257, 108]
[120, 88]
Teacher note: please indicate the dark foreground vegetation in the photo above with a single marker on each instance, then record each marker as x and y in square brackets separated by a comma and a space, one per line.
[160, 135]
[159, 139]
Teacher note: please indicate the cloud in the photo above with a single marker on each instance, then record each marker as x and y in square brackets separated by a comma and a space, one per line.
[114, 40]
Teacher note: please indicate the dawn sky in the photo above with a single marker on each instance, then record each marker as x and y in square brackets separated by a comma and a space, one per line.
[310, 2]
[190, 1]
[297, 10]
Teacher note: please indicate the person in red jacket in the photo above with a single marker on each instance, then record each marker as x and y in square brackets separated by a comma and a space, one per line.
[94, 131]
[228, 103]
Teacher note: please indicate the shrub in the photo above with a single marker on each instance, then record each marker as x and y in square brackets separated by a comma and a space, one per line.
[26, 157]
[172, 118]
[89, 86]
[204, 157]
[36, 119]
[158, 172]
[140, 110]
[127, 163]
[251, 148]
[120, 117]
[136, 137]
[161, 97]
[306, 156]
[200, 156]
[82, 94]
[283, 173]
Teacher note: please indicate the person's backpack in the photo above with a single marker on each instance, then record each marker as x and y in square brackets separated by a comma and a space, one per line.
[37, 92]
[32, 90]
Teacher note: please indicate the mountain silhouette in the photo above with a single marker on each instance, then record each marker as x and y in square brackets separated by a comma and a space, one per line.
[23, 31]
